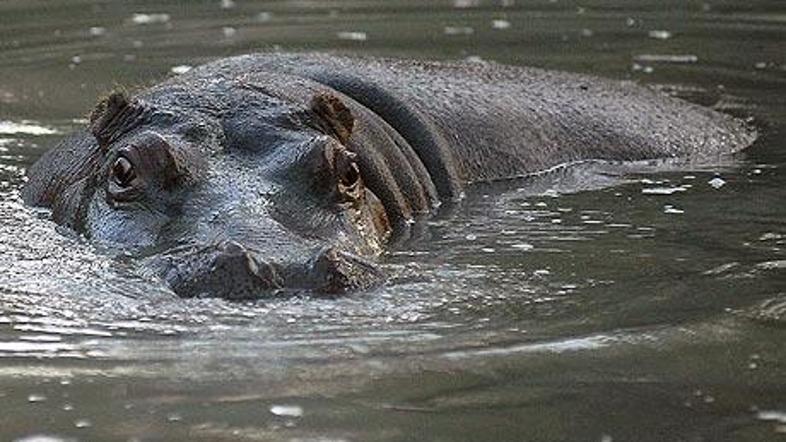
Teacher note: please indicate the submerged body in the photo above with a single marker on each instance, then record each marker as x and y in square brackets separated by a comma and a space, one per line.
[270, 172]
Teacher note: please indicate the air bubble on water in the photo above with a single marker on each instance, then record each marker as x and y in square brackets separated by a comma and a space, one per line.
[287, 410]
[42, 438]
[76, 59]
[227, 4]
[660, 34]
[458, 30]
[522, 246]
[662, 190]
[264, 16]
[67, 407]
[717, 182]
[180, 69]
[587, 32]
[488, 250]
[760, 65]
[83, 423]
[667, 58]
[672, 210]
[228, 31]
[500, 24]
[149, 19]
[772, 415]
[36, 398]
[174, 417]
[471, 237]
[352, 35]
[630, 22]
[465, 3]
[97, 31]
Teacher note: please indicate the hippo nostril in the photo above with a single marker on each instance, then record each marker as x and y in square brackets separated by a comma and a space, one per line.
[232, 248]
[338, 271]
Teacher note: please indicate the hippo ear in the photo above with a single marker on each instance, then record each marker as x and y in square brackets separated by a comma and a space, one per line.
[113, 116]
[334, 114]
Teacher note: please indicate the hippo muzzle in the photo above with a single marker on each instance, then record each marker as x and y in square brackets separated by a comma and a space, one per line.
[232, 271]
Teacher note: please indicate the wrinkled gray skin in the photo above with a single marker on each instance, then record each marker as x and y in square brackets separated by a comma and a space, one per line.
[262, 174]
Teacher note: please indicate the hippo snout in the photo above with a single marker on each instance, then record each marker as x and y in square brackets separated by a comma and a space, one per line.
[232, 271]
[228, 271]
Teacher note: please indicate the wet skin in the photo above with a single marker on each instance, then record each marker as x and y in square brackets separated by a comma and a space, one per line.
[260, 175]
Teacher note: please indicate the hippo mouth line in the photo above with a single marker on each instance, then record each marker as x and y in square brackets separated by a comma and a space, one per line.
[232, 271]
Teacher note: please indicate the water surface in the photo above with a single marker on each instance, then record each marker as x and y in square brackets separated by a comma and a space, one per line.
[582, 305]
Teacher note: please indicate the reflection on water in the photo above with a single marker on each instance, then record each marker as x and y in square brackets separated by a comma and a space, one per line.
[595, 302]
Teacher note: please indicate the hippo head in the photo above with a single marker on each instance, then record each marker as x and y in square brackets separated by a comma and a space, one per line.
[239, 203]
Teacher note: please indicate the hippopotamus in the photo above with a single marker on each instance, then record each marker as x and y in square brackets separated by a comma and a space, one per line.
[265, 174]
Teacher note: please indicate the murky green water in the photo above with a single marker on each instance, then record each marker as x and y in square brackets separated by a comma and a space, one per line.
[629, 312]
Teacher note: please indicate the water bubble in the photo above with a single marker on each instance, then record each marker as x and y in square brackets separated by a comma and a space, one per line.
[36, 398]
[228, 31]
[672, 210]
[97, 31]
[287, 410]
[352, 35]
[174, 417]
[43, 438]
[660, 34]
[667, 58]
[500, 24]
[662, 190]
[180, 69]
[772, 415]
[227, 4]
[465, 3]
[716, 182]
[264, 16]
[471, 237]
[458, 30]
[83, 423]
[149, 19]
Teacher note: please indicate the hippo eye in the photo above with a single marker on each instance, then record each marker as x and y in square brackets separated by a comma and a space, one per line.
[350, 175]
[123, 172]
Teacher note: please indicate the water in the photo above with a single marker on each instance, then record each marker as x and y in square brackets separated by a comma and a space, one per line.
[652, 307]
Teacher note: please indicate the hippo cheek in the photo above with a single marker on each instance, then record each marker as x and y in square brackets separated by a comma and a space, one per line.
[229, 272]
